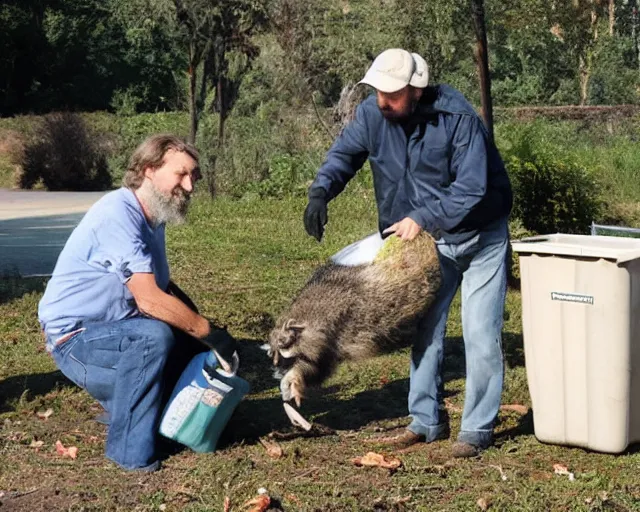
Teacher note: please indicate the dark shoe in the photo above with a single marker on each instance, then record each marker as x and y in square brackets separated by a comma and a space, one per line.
[462, 450]
[399, 441]
[151, 468]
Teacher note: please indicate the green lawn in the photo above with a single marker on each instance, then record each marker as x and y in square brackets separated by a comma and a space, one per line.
[242, 261]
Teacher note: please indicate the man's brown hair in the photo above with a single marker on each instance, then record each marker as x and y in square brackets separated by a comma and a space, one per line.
[151, 154]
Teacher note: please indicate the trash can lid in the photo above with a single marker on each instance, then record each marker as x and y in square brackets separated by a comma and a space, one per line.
[619, 249]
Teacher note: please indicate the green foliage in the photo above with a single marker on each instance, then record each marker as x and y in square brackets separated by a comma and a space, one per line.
[552, 195]
[288, 175]
[130, 131]
[77, 53]
[615, 79]
[65, 156]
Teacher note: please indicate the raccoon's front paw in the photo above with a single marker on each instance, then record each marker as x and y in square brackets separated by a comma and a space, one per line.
[291, 387]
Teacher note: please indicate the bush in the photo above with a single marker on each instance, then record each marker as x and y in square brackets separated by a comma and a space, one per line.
[551, 195]
[130, 131]
[65, 155]
[289, 175]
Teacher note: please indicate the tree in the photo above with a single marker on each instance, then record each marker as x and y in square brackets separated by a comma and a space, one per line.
[224, 44]
[482, 58]
[576, 24]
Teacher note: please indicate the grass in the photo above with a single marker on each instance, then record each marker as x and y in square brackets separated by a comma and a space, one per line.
[242, 261]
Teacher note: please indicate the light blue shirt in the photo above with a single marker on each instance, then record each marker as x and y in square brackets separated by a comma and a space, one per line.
[112, 242]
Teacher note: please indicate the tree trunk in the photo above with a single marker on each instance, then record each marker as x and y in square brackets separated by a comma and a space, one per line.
[193, 111]
[634, 31]
[211, 175]
[612, 16]
[586, 58]
[482, 60]
[584, 73]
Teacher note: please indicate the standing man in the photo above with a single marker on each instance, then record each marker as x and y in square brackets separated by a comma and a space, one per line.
[114, 322]
[435, 169]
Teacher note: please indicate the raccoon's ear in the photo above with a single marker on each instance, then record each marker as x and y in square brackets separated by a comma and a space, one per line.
[290, 325]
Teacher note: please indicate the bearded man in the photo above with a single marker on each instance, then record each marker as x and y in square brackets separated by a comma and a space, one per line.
[114, 322]
[435, 169]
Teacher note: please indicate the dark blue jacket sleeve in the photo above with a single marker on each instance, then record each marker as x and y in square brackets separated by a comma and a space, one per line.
[345, 157]
[447, 207]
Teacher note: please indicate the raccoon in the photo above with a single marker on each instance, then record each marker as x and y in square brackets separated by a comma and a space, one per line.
[353, 313]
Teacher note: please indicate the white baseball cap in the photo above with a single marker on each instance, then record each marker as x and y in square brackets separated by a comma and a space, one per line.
[394, 69]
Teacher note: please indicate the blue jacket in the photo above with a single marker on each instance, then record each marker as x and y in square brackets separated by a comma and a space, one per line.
[447, 175]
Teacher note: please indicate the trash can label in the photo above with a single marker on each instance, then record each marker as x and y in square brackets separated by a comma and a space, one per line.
[572, 297]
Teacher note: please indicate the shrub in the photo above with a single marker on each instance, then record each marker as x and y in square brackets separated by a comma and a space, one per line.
[552, 195]
[65, 155]
[288, 175]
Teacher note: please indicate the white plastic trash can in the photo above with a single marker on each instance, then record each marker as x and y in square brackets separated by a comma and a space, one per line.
[581, 329]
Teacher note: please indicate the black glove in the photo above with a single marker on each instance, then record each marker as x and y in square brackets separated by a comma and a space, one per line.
[223, 344]
[315, 215]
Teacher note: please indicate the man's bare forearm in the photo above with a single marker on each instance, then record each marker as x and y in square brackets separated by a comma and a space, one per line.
[173, 311]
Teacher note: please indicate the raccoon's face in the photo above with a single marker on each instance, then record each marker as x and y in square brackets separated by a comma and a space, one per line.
[284, 342]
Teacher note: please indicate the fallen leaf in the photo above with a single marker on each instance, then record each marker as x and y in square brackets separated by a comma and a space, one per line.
[163, 507]
[227, 504]
[44, 415]
[71, 452]
[273, 449]
[450, 406]
[16, 436]
[295, 499]
[402, 501]
[261, 503]
[375, 459]
[36, 444]
[483, 504]
[560, 469]
[520, 409]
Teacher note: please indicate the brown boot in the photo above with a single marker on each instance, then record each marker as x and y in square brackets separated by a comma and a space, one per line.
[398, 441]
[462, 450]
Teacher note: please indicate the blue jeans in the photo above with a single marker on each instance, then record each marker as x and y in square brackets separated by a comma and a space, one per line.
[480, 265]
[130, 367]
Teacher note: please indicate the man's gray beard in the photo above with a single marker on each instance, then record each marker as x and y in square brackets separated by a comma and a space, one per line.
[166, 209]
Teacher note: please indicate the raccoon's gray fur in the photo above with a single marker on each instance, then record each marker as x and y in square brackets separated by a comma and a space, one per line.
[354, 312]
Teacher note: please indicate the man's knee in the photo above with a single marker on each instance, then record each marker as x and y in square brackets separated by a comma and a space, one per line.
[161, 336]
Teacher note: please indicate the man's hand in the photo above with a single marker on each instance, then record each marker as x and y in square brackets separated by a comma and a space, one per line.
[315, 215]
[223, 344]
[406, 229]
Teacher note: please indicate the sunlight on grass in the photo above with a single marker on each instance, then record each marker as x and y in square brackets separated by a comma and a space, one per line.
[242, 262]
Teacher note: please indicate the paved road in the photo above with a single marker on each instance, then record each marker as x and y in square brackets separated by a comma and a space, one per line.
[34, 225]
